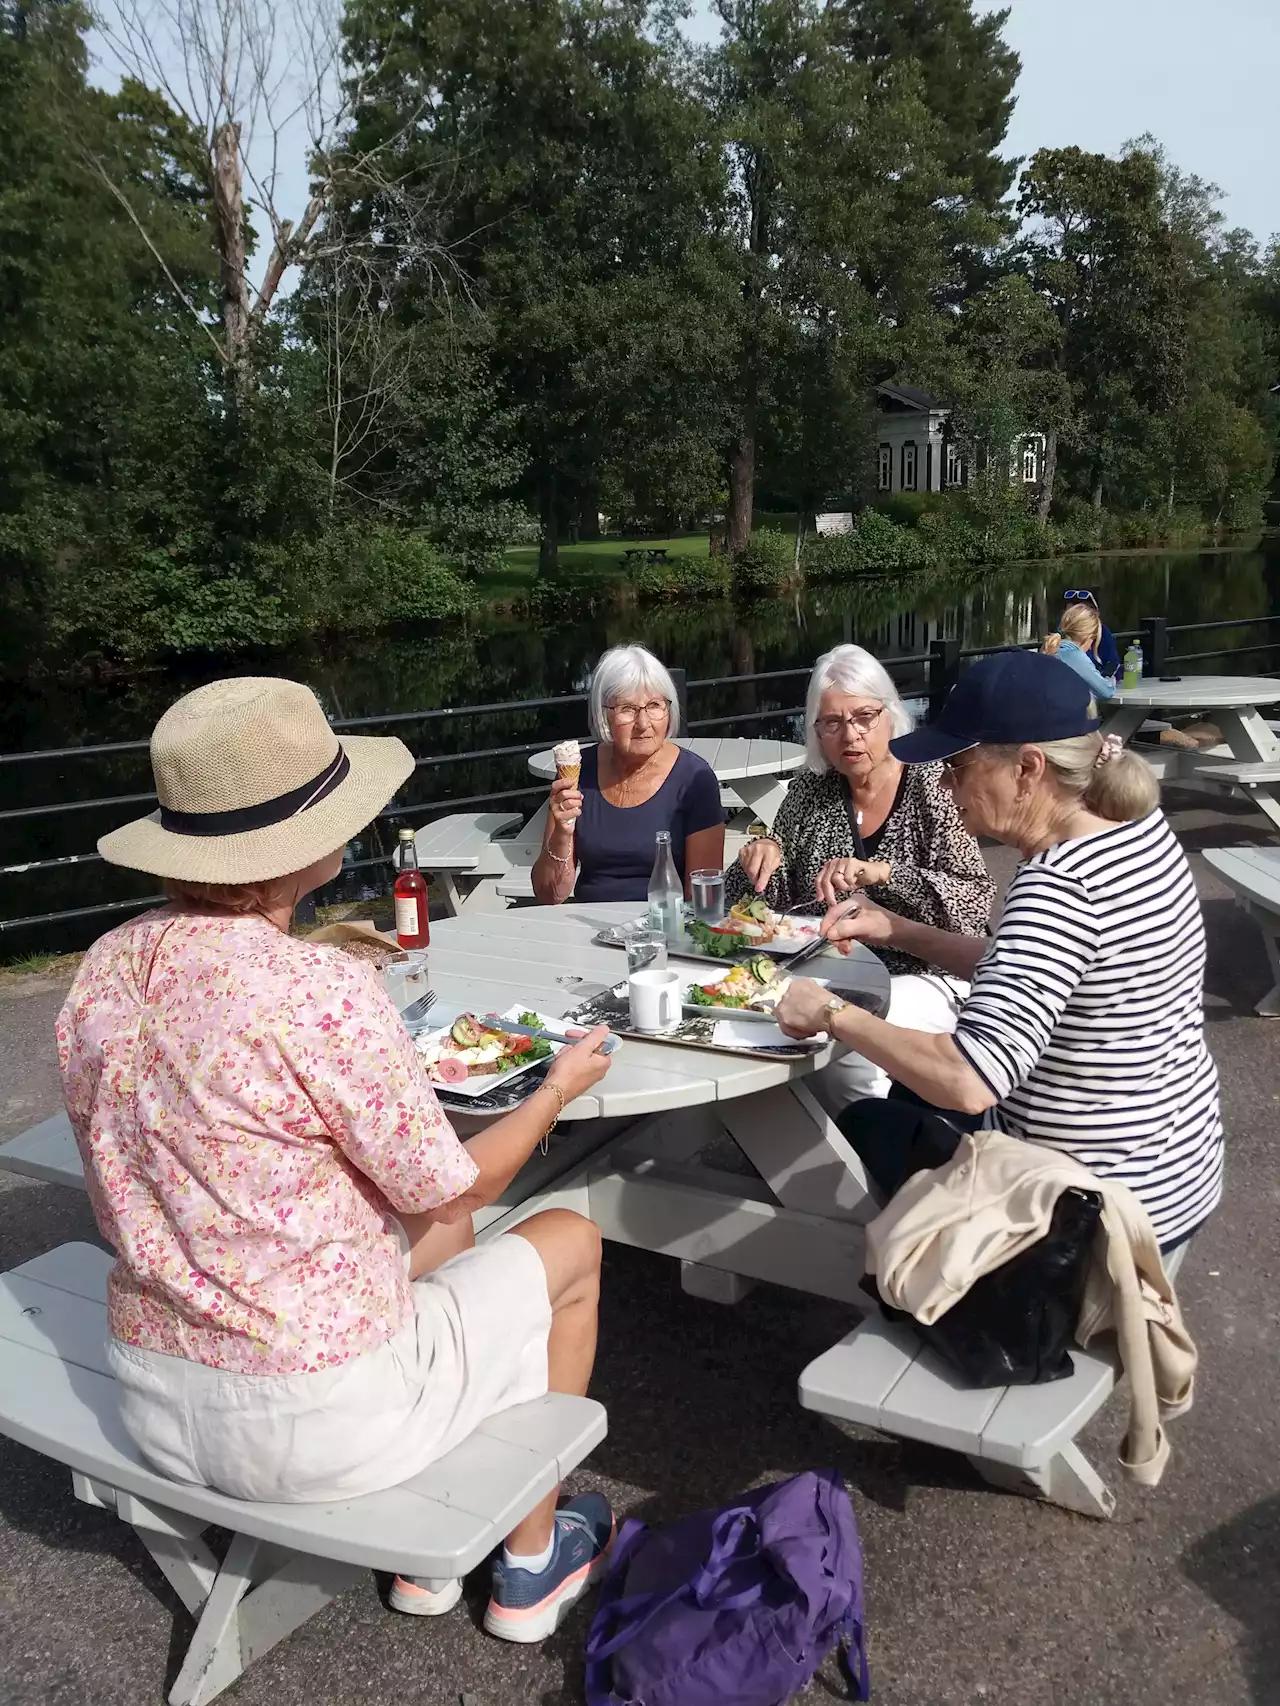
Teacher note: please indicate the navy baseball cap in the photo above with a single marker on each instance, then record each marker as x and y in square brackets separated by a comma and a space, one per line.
[1002, 701]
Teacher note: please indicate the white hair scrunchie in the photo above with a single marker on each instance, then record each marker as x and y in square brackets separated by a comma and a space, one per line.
[1112, 746]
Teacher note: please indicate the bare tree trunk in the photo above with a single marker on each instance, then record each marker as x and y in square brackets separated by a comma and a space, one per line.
[799, 538]
[1097, 485]
[1170, 504]
[549, 542]
[228, 202]
[1044, 499]
[742, 490]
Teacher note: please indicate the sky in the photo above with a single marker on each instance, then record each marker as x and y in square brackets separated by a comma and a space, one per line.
[1199, 75]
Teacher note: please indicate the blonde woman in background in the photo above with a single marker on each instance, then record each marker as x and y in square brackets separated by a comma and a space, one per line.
[1076, 645]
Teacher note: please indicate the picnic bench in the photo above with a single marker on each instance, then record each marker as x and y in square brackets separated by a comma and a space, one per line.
[645, 554]
[462, 851]
[1253, 875]
[1020, 1438]
[285, 1562]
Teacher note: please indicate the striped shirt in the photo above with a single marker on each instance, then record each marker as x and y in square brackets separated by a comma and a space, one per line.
[1085, 1018]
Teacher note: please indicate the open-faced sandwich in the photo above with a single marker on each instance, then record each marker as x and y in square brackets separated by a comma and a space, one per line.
[477, 1048]
[751, 923]
[755, 985]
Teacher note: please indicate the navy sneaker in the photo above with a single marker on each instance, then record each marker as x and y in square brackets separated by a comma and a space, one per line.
[526, 1606]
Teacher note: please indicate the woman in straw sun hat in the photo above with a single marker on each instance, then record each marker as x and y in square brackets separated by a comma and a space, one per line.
[297, 1310]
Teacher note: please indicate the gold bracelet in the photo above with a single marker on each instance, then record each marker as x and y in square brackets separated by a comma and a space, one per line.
[558, 1093]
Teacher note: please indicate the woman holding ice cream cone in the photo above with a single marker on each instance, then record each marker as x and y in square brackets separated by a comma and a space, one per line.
[608, 803]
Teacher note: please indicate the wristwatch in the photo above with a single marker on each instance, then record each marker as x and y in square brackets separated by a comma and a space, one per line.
[837, 1004]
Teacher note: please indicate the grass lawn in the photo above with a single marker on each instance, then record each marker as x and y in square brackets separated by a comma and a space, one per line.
[593, 560]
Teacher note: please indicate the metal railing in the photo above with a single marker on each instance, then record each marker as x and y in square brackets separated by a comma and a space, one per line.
[940, 667]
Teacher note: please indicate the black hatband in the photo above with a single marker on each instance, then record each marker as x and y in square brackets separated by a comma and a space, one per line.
[266, 813]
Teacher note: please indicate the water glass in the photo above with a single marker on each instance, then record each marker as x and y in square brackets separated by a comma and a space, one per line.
[645, 948]
[706, 889]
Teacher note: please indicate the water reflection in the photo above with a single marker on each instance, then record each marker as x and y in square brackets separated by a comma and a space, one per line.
[500, 657]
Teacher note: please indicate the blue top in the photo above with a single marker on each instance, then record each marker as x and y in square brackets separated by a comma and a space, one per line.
[1107, 655]
[615, 844]
[1078, 659]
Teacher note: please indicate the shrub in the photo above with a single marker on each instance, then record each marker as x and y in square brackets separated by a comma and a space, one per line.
[875, 546]
[356, 577]
[906, 508]
[765, 563]
[683, 577]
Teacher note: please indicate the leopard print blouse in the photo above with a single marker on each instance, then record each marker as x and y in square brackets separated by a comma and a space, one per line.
[938, 874]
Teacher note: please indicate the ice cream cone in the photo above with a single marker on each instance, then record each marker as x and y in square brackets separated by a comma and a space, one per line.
[568, 757]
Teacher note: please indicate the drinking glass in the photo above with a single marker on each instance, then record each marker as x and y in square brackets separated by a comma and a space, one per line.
[706, 889]
[645, 948]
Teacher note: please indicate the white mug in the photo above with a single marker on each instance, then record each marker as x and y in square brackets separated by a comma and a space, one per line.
[655, 998]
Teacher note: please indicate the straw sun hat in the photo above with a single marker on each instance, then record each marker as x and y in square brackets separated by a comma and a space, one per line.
[254, 784]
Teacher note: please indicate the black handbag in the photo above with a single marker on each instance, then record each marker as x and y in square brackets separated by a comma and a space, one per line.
[1015, 1325]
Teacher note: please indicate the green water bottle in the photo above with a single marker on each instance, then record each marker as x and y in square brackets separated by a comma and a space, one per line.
[1132, 676]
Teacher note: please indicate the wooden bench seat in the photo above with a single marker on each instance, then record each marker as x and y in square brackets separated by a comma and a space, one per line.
[465, 846]
[1241, 775]
[1253, 875]
[1021, 1438]
[285, 1562]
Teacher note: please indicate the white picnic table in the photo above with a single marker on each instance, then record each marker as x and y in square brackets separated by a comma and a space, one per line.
[623, 1153]
[754, 768]
[1231, 703]
[635, 1155]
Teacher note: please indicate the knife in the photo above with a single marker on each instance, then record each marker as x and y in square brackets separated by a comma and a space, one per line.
[608, 1046]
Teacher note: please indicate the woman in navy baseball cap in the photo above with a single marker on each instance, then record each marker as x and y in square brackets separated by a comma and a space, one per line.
[1084, 1027]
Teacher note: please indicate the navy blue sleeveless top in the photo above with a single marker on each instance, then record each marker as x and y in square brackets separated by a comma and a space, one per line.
[615, 844]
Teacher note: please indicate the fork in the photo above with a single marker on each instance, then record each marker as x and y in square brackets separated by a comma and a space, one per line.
[419, 1008]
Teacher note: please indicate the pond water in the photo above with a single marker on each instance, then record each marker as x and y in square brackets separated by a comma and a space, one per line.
[500, 656]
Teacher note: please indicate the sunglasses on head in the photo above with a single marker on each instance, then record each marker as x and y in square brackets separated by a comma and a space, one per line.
[1082, 593]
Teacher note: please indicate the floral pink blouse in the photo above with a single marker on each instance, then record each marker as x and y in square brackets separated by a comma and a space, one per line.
[247, 1106]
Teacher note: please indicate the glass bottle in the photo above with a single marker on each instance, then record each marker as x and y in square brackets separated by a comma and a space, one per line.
[666, 891]
[413, 929]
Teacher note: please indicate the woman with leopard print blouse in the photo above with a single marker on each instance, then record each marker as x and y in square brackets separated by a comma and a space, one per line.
[855, 819]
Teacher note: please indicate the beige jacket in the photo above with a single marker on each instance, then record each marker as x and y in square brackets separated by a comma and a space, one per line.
[945, 1229]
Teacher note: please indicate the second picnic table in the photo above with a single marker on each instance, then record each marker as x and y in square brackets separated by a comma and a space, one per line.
[1231, 703]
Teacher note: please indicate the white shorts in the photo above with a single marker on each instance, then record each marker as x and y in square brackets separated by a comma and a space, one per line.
[475, 1344]
[925, 1001]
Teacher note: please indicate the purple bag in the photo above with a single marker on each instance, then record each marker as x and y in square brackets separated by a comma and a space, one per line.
[736, 1607]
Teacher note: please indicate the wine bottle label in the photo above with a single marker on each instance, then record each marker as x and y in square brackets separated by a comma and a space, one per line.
[407, 915]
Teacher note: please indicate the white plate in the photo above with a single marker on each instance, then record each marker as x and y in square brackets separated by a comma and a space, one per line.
[753, 1015]
[477, 1084]
[801, 932]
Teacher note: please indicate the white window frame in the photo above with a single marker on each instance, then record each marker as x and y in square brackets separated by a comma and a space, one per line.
[1031, 459]
[954, 466]
[884, 468]
[910, 482]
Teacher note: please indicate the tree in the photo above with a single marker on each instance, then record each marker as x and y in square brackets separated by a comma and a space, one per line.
[93, 340]
[841, 216]
[1103, 258]
[967, 70]
[244, 75]
[580, 171]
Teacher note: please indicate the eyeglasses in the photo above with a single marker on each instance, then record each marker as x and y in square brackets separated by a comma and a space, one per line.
[862, 721]
[652, 710]
[953, 769]
[1082, 593]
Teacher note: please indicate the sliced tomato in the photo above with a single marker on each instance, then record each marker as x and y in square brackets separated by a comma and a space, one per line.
[518, 1045]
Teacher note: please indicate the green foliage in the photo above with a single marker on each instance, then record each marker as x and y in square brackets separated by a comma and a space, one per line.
[766, 563]
[356, 577]
[683, 577]
[906, 508]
